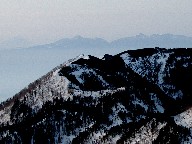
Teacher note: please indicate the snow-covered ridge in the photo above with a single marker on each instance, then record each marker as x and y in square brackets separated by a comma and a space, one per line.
[42, 90]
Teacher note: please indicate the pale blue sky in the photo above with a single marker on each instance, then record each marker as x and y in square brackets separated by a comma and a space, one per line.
[48, 20]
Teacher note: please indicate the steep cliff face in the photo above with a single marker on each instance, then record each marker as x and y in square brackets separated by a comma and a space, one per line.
[137, 96]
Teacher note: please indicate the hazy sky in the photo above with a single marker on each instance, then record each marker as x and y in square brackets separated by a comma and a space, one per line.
[48, 20]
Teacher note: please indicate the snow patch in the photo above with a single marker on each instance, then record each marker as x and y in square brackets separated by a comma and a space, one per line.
[157, 103]
[136, 101]
[79, 71]
[114, 116]
[146, 134]
[184, 119]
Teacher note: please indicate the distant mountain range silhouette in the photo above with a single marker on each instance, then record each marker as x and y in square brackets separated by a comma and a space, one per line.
[138, 41]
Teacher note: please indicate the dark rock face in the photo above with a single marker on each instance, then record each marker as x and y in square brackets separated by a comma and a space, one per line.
[137, 96]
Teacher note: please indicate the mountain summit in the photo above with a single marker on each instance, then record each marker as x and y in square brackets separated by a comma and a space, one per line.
[137, 96]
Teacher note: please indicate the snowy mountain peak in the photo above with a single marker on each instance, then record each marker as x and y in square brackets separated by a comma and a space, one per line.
[137, 96]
